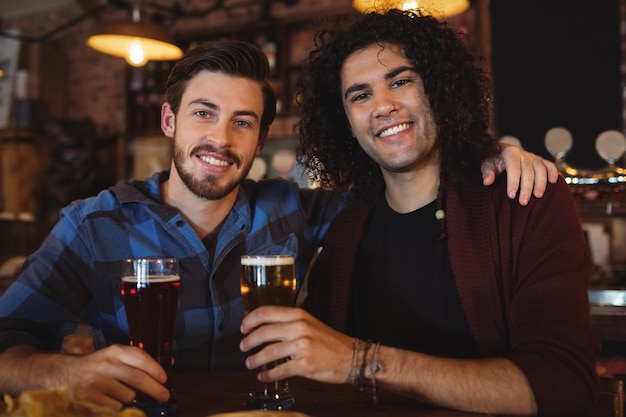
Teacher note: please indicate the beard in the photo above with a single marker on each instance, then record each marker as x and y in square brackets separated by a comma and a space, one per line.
[209, 187]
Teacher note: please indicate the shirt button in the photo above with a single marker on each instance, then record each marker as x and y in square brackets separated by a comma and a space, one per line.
[180, 223]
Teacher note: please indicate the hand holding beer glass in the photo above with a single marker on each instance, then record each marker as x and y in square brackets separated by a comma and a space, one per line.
[268, 280]
[150, 290]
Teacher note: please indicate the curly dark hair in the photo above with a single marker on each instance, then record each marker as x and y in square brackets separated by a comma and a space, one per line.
[458, 90]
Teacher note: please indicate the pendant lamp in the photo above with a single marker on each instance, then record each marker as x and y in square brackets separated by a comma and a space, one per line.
[438, 8]
[137, 42]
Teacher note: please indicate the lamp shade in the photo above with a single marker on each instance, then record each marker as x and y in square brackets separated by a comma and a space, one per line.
[437, 8]
[137, 42]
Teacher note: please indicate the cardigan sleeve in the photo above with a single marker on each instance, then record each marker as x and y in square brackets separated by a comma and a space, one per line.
[536, 266]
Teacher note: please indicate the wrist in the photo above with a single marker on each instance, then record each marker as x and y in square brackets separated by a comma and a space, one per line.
[365, 366]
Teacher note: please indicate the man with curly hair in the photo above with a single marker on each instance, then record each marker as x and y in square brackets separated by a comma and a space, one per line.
[430, 284]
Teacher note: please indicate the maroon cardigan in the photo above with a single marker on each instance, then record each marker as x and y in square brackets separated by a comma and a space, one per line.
[522, 274]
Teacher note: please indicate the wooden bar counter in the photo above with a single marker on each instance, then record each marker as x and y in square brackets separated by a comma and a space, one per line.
[203, 394]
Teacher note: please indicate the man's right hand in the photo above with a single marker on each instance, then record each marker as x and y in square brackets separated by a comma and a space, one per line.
[109, 377]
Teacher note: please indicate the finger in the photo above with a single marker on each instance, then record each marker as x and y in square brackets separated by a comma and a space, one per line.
[269, 354]
[140, 381]
[512, 160]
[553, 172]
[489, 172]
[267, 314]
[141, 360]
[281, 370]
[277, 360]
[138, 370]
[337, 373]
[541, 178]
[266, 333]
[516, 178]
[525, 187]
[279, 340]
[108, 393]
[249, 342]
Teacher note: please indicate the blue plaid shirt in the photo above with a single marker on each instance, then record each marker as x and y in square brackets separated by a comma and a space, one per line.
[75, 275]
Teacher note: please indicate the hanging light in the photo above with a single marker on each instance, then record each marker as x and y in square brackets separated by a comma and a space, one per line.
[437, 8]
[137, 42]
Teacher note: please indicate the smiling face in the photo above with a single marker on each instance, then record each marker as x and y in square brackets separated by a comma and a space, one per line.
[216, 133]
[388, 110]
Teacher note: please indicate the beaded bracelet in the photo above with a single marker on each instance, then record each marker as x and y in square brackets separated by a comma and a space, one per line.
[374, 368]
[355, 354]
[363, 365]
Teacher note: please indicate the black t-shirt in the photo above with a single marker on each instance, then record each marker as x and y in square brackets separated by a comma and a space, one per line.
[403, 293]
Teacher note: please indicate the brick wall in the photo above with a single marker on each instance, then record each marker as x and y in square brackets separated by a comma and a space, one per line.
[93, 84]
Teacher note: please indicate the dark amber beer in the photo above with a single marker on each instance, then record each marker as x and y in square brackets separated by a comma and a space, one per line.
[268, 280]
[151, 311]
[150, 291]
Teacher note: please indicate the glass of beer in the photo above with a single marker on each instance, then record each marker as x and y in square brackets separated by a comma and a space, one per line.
[268, 280]
[150, 290]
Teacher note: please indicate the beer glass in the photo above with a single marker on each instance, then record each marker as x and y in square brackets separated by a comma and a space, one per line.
[150, 290]
[268, 280]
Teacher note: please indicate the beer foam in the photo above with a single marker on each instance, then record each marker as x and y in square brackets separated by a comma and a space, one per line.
[152, 278]
[267, 260]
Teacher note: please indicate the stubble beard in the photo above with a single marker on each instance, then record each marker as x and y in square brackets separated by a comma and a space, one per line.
[207, 188]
